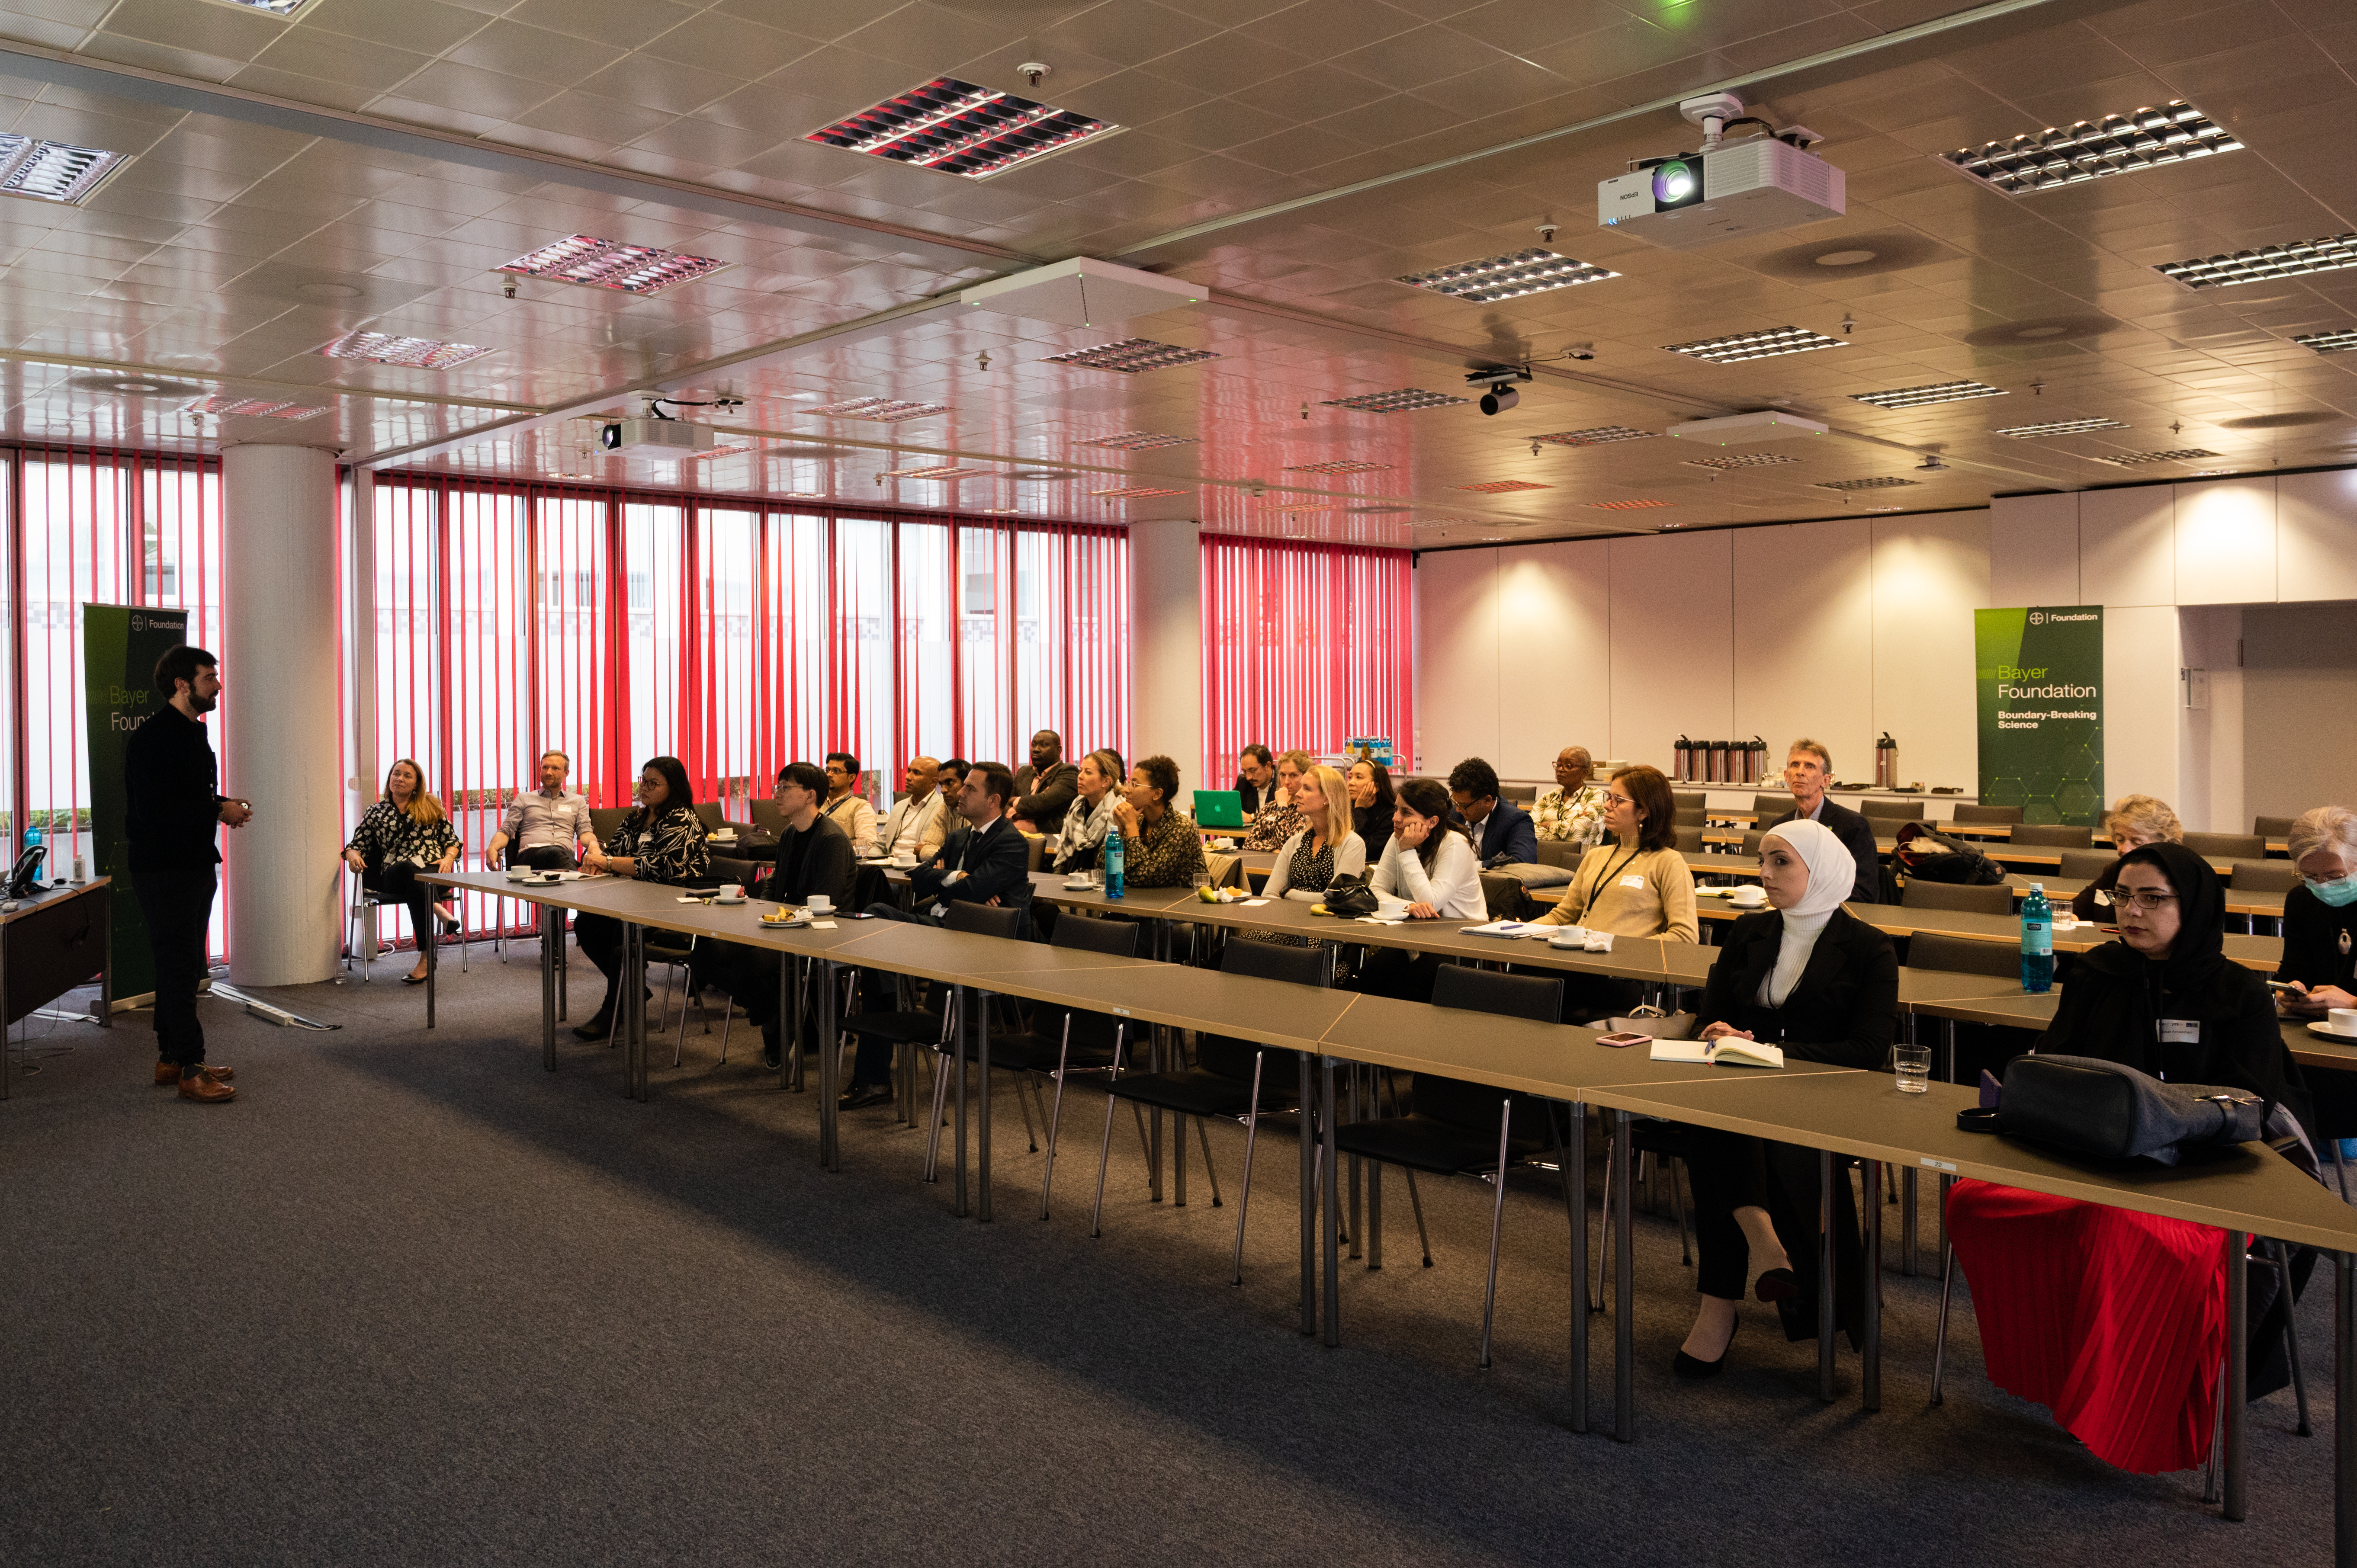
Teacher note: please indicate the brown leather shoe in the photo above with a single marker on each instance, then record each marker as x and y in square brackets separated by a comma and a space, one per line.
[205, 1087]
[169, 1072]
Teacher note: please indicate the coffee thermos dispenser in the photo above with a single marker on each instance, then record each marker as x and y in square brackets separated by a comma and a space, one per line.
[1685, 760]
[1886, 762]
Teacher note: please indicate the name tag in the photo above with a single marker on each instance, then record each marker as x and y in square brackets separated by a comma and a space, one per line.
[1634, 880]
[2180, 1031]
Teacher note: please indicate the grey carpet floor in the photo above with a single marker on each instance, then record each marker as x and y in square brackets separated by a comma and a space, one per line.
[413, 1299]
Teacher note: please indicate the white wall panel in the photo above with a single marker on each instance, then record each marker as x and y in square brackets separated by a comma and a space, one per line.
[1803, 645]
[1672, 643]
[1457, 695]
[2226, 542]
[2034, 549]
[1554, 655]
[2316, 537]
[1931, 573]
[2127, 546]
[2140, 702]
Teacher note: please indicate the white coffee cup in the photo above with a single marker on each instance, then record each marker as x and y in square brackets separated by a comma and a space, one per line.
[821, 904]
[1750, 897]
[2341, 1020]
[731, 894]
[1391, 908]
[904, 862]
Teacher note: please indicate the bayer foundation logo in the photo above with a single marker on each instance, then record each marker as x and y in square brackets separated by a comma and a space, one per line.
[2037, 617]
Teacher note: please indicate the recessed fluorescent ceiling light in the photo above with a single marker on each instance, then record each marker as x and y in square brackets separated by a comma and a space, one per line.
[882, 410]
[609, 263]
[1403, 400]
[2060, 427]
[1140, 441]
[1881, 482]
[2179, 455]
[1625, 506]
[1748, 460]
[1595, 438]
[1938, 392]
[2327, 256]
[2328, 342]
[418, 353]
[269, 7]
[959, 128]
[1336, 465]
[1132, 355]
[1754, 345]
[1135, 492]
[938, 471]
[1509, 277]
[2120, 143]
[254, 408]
[1500, 487]
[52, 171]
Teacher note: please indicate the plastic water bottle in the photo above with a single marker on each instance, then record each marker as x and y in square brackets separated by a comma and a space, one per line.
[2037, 940]
[1113, 863]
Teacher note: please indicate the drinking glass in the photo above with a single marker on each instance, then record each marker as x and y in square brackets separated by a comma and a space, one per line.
[1914, 1064]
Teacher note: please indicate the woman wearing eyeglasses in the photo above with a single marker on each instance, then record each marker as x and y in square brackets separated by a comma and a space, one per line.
[2115, 1320]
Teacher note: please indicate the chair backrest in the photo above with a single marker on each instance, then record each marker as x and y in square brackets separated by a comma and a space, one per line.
[984, 920]
[2051, 835]
[1751, 842]
[1690, 841]
[1035, 851]
[1225, 1054]
[1891, 809]
[767, 814]
[742, 872]
[1519, 794]
[604, 819]
[1766, 809]
[1968, 812]
[1689, 817]
[2228, 846]
[709, 813]
[2086, 864]
[1690, 800]
[2264, 876]
[1226, 870]
[1962, 955]
[1556, 852]
[1921, 895]
[1473, 1106]
[1118, 938]
[2272, 827]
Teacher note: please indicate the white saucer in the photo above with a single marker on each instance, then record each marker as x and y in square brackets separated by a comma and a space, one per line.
[785, 925]
[1078, 886]
[2329, 1031]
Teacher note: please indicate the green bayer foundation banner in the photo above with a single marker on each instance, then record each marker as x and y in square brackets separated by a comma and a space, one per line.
[2039, 674]
[120, 645]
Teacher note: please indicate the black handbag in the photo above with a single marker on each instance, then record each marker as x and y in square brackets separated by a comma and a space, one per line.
[1349, 898]
[2090, 1106]
[1926, 855]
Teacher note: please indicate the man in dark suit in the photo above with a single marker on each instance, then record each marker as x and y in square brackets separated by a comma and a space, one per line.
[1045, 787]
[1808, 768]
[1501, 832]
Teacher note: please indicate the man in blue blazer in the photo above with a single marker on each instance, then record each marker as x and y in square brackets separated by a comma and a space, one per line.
[1501, 831]
[1808, 768]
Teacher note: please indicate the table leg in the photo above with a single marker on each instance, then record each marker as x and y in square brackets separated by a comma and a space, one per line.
[105, 966]
[980, 1024]
[4, 1025]
[1331, 1201]
[634, 1010]
[789, 1026]
[959, 998]
[1908, 1241]
[829, 1071]
[552, 931]
[1308, 1104]
[1872, 1377]
[2344, 1410]
[564, 966]
[1354, 1164]
[430, 939]
[1624, 1295]
[1825, 1313]
[1575, 1155]
[2236, 1394]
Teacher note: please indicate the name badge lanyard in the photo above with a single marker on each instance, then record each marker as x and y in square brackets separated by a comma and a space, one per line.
[1605, 883]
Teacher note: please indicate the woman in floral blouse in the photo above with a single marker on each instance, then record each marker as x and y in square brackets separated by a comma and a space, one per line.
[1159, 848]
[1279, 819]
[406, 831]
[1573, 812]
[662, 840]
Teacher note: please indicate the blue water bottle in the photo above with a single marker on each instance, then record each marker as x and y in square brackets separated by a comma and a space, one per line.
[2037, 940]
[1113, 862]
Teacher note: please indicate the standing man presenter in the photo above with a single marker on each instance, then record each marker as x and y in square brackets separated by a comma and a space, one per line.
[174, 810]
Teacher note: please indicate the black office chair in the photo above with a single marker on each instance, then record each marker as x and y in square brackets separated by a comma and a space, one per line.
[2050, 835]
[1227, 1079]
[1455, 1128]
[1968, 812]
[1690, 841]
[914, 1026]
[1992, 900]
[1962, 955]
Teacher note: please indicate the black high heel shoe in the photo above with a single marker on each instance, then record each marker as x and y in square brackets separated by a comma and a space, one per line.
[1694, 1369]
[1777, 1285]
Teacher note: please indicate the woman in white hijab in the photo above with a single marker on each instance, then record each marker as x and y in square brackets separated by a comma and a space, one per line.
[1814, 978]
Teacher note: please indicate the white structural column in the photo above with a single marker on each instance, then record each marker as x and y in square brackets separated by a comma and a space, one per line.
[281, 747]
[1166, 672]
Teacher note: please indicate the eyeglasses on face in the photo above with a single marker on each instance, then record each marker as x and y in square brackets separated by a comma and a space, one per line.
[2142, 898]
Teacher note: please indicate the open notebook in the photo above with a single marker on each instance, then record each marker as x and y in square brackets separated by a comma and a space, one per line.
[1726, 1051]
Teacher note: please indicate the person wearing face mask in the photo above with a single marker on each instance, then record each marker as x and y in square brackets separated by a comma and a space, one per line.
[2320, 925]
[2133, 821]
[2115, 1320]
[1636, 884]
[1822, 984]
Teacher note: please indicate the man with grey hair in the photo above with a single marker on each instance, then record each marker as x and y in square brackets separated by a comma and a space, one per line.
[2319, 924]
[1808, 768]
[1573, 812]
[545, 825]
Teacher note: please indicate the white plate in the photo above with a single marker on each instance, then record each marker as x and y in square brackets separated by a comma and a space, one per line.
[785, 925]
[2328, 1031]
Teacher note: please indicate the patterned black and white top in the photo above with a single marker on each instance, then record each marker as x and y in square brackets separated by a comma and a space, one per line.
[389, 836]
[671, 850]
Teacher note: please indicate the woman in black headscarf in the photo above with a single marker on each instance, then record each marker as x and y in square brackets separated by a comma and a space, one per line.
[2115, 1320]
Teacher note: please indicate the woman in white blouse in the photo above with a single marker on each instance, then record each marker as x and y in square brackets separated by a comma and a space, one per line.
[1327, 847]
[1428, 861]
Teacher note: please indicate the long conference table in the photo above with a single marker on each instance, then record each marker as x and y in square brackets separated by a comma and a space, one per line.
[1841, 1112]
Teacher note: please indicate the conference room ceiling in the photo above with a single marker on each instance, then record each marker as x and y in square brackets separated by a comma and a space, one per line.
[368, 166]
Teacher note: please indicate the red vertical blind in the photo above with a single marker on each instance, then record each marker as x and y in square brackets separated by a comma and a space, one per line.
[1305, 644]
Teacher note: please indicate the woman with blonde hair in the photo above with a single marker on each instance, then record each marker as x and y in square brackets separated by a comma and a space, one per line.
[406, 831]
[2134, 822]
[1328, 845]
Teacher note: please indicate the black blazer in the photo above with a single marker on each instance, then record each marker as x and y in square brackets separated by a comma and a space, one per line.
[1042, 799]
[1856, 834]
[822, 865]
[2319, 942]
[1844, 1011]
[996, 863]
[1253, 798]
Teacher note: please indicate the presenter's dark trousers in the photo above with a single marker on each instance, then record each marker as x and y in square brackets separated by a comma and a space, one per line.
[177, 906]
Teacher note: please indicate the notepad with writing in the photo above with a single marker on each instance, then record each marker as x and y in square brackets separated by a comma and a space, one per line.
[1729, 1050]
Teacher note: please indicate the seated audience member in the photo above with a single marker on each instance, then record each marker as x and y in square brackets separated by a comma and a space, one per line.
[1044, 787]
[1808, 768]
[1371, 806]
[2133, 821]
[814, 858]
[1429, 862]
[1255, 773]
[1079, 845]
[1812, 978]
[1501, 831]
[2112, 1319]
[984, 862]
[919, 820]
[1635, 884]
[848, 807]
[543, 828]
[2319, 919]
[1278, 821]
[1159, 848]
[1573, 812]
[406, 831]
[664, 841]
[1327, 847]
[952, 787]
